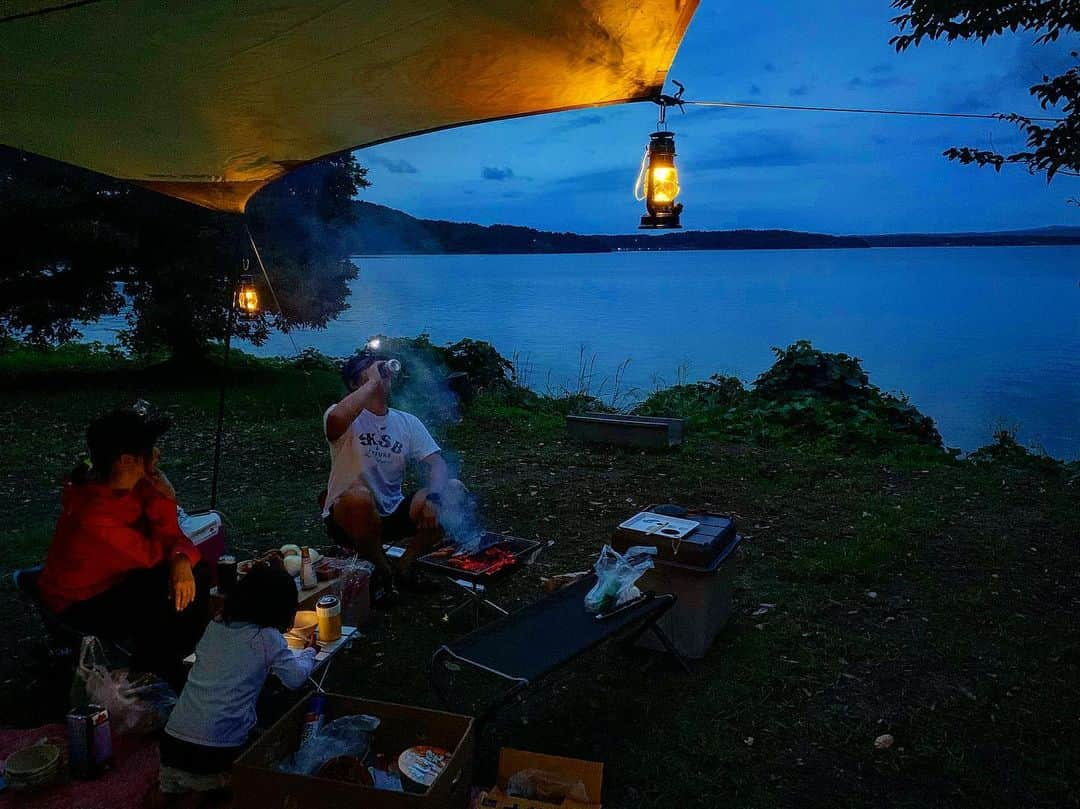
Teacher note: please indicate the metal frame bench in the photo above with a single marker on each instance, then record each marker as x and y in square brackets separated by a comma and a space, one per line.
[526, 646]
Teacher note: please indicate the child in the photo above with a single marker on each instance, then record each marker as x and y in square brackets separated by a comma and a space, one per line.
[216, 711]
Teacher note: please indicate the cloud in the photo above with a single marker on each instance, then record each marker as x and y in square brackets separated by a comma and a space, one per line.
[757, 149]
[873, 82]
[799, 91]
[395, 166]
[497, 174]
[997, 90]
[748, 149]
[982, 101]
[580, 122]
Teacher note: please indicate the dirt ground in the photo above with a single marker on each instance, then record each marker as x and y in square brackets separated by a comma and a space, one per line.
[934, 603]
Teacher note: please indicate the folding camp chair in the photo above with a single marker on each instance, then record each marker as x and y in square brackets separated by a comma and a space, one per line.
[65, 641]
[528, 645]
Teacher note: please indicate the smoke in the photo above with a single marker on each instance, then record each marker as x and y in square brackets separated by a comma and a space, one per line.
[423, 386]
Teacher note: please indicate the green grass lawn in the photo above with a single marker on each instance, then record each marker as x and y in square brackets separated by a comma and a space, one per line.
[922, 597]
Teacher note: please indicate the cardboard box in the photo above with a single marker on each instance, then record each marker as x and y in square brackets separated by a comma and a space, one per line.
[589, 773]
[257, 785]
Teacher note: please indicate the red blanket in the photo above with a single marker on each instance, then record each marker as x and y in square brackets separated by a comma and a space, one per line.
[135, 773]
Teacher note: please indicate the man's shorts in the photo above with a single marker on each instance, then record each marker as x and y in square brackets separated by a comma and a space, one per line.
[395, 527]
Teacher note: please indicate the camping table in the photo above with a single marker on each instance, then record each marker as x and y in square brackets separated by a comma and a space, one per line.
[324, 656]
[305, 599]
[327, 651]
[526, 646]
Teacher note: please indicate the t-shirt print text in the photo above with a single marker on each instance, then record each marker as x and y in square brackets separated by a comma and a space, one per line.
[381, 448]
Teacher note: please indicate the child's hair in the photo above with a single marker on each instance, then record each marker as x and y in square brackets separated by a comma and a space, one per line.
[264, 596]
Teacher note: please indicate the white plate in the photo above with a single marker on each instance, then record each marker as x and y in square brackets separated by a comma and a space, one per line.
[660, 525]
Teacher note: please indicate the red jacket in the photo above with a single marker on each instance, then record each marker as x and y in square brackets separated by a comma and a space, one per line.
[103, 535]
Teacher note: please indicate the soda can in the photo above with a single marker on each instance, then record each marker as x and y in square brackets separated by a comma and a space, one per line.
[314, 718]
[89, 741]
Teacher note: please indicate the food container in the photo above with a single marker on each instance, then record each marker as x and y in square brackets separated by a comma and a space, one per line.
[33, 766]
[420, 766]
[303, 630]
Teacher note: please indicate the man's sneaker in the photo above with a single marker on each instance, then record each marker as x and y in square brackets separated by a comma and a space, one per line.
[386, 598]
[384, 594]
[417, 583]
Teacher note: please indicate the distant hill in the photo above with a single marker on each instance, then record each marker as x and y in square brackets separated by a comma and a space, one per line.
[1007, 238]
[383, 230]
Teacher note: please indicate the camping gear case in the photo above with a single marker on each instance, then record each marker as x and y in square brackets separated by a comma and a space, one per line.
[698, 548]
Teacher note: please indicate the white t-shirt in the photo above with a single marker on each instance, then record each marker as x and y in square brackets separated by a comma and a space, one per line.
[374, 450]
[232, 661]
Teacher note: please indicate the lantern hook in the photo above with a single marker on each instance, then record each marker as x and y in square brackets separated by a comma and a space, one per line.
[664, 101]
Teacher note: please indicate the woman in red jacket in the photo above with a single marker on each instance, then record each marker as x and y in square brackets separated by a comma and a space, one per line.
[119, 566]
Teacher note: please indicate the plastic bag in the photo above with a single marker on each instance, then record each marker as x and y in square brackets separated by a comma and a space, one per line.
[347, 736]
[545, 786]
[352, 571]
[616, 574]
[139, 704]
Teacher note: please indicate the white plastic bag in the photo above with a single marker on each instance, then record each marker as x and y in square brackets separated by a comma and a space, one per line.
[347, 736]
[615, 577]
[136, 705]
[545, 786]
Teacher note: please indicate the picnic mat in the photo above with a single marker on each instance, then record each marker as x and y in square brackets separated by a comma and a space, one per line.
[135, 772]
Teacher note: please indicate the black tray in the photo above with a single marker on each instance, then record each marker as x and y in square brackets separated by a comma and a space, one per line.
[520, 548]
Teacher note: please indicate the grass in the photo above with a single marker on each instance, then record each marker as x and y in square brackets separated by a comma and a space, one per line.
[915, 595]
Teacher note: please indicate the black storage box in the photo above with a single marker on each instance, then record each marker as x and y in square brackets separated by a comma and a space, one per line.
[698, 548]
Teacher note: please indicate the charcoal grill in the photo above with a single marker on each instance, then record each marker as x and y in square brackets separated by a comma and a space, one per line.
[475, 583]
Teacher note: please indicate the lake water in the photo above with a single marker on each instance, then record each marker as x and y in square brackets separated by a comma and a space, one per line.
[977, 337]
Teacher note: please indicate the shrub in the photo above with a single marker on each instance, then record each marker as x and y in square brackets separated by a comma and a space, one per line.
[800, 369]
[697, 399]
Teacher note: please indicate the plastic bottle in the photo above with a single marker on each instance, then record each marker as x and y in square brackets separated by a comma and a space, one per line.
[308, 580]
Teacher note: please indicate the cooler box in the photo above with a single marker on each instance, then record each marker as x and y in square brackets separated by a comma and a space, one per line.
[703, 601]
[699, 547]
[206, 530]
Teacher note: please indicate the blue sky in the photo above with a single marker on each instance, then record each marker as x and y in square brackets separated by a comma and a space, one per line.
[761, 169]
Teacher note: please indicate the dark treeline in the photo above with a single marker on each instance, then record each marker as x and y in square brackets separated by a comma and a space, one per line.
[379, 229]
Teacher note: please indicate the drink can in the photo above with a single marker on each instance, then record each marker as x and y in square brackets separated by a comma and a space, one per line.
[89, 741]
[314, 718]
[226, 573]
[328, 611]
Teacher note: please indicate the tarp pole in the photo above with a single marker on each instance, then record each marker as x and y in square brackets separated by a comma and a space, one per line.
[229, 323]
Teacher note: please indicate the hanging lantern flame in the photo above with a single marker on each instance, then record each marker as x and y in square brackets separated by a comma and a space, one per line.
[658, 183]
[247, 296]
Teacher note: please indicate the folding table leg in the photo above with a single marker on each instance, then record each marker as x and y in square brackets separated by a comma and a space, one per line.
[661, 636]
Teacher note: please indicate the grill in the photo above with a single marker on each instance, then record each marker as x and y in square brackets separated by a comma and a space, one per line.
[521, 549]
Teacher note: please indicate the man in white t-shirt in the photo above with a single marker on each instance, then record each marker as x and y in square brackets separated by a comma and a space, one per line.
[370, 445]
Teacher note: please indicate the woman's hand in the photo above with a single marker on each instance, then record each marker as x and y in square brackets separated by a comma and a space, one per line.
[182, 583]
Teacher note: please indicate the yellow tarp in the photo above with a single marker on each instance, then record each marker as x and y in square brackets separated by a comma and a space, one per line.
[209, 100]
